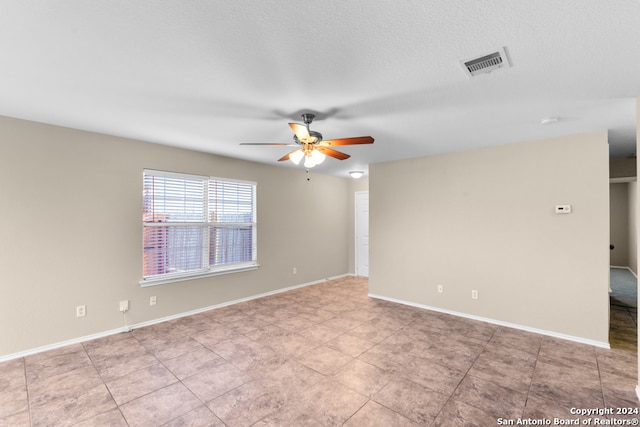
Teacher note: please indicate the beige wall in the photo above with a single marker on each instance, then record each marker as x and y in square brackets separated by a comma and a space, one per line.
[619, 223]
[485, 220]
[71, 232]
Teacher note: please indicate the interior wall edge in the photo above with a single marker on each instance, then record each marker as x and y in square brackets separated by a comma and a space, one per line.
[635, 229]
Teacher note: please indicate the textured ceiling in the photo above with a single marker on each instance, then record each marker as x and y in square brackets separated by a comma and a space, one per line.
[209, 75]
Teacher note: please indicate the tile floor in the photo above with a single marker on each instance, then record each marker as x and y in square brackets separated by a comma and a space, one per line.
[324, 355]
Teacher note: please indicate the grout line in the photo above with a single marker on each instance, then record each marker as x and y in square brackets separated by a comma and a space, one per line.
[360, 408]
[465, 376]
[533, 374]
[604, 402]
[26, 387]
[84, 348]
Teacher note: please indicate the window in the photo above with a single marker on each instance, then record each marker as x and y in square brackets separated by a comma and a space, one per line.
[195, 226]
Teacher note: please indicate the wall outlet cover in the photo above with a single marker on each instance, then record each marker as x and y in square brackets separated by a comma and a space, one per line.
[81, 311]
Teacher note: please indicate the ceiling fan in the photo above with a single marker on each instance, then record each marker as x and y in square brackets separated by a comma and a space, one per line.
[313, 148]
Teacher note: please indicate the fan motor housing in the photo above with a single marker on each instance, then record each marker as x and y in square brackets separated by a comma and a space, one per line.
[313, 134]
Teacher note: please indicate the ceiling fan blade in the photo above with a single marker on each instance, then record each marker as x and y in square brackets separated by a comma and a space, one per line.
[286, 156]
[348, 141]
[277, 144]
[301, 131]
[333, 153]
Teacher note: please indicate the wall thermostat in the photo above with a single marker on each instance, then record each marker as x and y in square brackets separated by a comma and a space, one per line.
[563, 209]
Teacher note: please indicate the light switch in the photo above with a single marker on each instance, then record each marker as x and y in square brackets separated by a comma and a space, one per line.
[563, 209]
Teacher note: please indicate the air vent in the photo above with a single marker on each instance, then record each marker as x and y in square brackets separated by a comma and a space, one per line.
[486, 63]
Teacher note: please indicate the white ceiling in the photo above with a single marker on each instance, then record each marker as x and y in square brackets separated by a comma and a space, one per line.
[208, 75]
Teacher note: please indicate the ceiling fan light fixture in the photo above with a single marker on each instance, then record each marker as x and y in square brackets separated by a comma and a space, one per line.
[318, 157]
[356, 174]
[309, 162]
[549, 121]
[296, 156]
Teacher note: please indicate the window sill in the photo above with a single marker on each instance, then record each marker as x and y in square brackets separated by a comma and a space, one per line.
[180, 278]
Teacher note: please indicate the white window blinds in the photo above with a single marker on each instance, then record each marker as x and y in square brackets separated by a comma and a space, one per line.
[232, 214]
[195, 225]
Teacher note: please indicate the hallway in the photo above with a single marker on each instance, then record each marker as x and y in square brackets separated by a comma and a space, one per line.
[623, 331]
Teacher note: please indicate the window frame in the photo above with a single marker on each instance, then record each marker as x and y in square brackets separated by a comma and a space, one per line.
[208, 225]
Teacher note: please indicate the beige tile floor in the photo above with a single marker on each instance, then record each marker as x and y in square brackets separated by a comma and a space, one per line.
[324, 355]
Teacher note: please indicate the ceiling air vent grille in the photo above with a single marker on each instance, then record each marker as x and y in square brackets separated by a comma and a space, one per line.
[486, 63]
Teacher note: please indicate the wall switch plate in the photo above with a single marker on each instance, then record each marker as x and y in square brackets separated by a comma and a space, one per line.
[153, 300]
[440, 289]
[563, 209]
[81, 311]
[124, 305]
[474, 294]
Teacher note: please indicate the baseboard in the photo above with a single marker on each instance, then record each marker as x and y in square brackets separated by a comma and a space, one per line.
[61, 344]
[638, 391]
[495, 322]
[85, 338]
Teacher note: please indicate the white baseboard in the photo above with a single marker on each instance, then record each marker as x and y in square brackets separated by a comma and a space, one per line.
[156, 321]
[495, 322]
[638, 391]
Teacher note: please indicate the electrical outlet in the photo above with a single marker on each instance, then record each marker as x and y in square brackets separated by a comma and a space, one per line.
[440, 289]
[474, 294]
[295, 270]
[81, 311]
[124, 306]
[153, 300]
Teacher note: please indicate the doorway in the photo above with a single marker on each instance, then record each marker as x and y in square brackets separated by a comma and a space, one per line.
[623, 283]
[623, 312]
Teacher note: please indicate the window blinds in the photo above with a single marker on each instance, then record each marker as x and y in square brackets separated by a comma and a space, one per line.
[194, 224]
[232, 213]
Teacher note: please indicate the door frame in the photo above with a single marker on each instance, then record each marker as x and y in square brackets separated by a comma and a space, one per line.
[356, 229]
